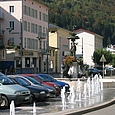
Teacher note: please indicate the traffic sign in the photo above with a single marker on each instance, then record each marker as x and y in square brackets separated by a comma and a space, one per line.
[102, 59]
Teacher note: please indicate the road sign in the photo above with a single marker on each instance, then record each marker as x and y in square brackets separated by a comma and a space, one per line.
[102, 59]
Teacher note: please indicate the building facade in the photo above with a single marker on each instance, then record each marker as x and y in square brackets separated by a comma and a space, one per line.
[59, 46]
[87, 44]
[24, 34]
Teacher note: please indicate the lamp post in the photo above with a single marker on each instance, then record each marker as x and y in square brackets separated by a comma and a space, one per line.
[21, 41]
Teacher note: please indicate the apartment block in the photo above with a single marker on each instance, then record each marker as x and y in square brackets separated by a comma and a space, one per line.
[24, 34]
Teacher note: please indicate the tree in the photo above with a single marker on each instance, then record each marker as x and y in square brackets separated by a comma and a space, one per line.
[107, 54]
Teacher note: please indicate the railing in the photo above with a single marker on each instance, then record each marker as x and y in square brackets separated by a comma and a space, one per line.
[42, 51]
[42, 35]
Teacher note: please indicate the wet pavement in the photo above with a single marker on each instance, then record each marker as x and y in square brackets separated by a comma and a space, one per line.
[54, 105]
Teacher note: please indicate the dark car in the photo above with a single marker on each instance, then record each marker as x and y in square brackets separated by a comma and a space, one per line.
[35, 82]
[93, 71]
[1, 100]
[43, 81]
[49, 78]
[37, 94]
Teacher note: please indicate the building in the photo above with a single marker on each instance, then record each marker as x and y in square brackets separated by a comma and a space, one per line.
[59, 46]
[24, 34]
[87, 44]
[111, 48]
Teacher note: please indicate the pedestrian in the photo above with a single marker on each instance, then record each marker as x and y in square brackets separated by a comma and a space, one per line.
[11, 70]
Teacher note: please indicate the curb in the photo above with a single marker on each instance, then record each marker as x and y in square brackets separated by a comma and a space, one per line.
[84, 110]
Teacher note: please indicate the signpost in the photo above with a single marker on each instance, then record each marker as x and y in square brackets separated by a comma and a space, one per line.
[103, 60]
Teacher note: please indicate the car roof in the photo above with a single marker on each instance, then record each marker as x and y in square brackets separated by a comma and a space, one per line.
[14, 76]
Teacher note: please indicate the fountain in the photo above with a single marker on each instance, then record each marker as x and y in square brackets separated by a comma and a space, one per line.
[12, 108]
[77, 95]
[63, 96]
[71, 96]
[34, 109]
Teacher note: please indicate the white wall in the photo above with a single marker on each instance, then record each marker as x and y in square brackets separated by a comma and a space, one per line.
[88, 47]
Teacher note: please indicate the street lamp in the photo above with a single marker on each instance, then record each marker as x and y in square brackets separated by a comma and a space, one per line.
[21, 44]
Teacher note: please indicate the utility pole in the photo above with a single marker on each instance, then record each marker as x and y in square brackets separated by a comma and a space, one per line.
[21, 45]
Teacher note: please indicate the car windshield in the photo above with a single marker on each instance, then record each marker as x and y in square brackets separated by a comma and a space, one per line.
[42, 79]
[5, 80]
[34, 81]
[48, 77]
[52, 78]
[21, 81]
[45, 78]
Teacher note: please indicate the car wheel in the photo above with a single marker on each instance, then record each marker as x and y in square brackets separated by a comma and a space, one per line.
[5, 103]
[32, 98]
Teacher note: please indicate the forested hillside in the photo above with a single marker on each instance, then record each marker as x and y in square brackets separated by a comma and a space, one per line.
[95, 15]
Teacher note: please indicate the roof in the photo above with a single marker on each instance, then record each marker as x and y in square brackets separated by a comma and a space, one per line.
[51, 26]
[83, 30]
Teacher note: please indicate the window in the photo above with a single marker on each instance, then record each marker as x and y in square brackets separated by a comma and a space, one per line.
[46, 18]
[39, 15]
[28, 43]
[43, 17]
[32, 42]
[11, 41]
[28, 26]
[27, 62]
[44, 45]
[36, 44]
[40, 44]
[40, 31]
[36, 14]
[33, 13]
[18, 62]
[25, 42]
[32, 27]
[11, 9]
[25, 25]
[29, 11]
[25, 12]
[12, 24]
[35, 28]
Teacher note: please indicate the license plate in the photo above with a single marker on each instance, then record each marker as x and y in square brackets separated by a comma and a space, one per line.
[26, 98]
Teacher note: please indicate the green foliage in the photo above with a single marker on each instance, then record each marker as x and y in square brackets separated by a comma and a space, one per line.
[110, 58]
[95, 15]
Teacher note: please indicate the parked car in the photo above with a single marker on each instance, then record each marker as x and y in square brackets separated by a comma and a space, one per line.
[109, 69]
[93, 71]
[11, 91]
[43, 81]
[49, 78]
[35, 82]
[37, 93]
[1, 100]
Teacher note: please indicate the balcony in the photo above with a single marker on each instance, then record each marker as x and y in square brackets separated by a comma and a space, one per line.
[41, 35]
[42, 51]
[1, 15]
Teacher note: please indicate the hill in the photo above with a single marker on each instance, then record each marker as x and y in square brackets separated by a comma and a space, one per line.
[94, 15]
